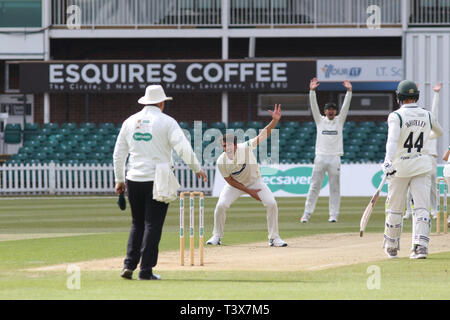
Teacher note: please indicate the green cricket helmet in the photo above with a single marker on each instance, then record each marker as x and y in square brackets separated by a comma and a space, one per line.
[407, 90]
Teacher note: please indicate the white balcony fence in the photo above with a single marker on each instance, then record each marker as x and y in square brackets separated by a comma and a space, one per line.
[248, 13]
[81, 179]
[139, 13]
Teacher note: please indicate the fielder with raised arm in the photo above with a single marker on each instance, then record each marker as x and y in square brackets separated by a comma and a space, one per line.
[408, 164]
[238, 165]
[329, 149]
[431, 146]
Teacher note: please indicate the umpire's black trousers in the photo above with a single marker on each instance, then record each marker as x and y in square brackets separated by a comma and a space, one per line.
[146, 229]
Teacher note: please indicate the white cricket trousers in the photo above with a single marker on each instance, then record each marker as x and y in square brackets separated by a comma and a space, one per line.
[433, 194]
[230, 194]
[331, 165]
[420, 190]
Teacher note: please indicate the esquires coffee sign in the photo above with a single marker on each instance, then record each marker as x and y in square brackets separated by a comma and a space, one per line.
[206, 76]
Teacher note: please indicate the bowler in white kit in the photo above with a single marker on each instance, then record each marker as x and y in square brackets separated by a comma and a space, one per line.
[239, 167]
[329, 149]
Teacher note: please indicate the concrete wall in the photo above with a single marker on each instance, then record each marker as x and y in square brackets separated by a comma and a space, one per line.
[427, 61]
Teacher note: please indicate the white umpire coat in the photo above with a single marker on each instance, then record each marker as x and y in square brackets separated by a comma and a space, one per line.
[149, 137]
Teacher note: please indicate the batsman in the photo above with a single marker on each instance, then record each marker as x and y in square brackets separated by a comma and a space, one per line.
[408, 165]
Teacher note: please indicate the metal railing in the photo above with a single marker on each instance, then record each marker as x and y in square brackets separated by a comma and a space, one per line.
[429, 12]
[311, 12]
[248, 13]
[28, 179]
[139, 13]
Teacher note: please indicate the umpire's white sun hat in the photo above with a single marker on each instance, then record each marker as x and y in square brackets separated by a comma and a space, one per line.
[154, 94]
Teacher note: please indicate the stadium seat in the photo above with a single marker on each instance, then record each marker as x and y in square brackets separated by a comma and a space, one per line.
[356, 141]
[103, 131]
[84, 131]
[69, 125]
[71, 143]
[309, 156]
[309, 148]
[349, 155]
[363, 129]
[381, 129]
[84, 149]
[46, 149]
[370, 147]
[13, 127]
[89, 143]
[79, 156]
[66, 131]
[350, 124]
[360, 135]
[71, 162]
[46, 131]
[21, 156]
[288, 130]
[309, 124]
[236, 125]
[294, 148]
[285, 136]
[107, 126]
[307, 129]
[78, 138]
[352, 148]
[13, 137]
[291, 124]
[367, 156]
[57, 137]
[30, 130]
[367, 124]
[40, 156]
[63, 148]
[89, 125]
[218, 125]
[381, 137]
[255, 125]
[53, 127]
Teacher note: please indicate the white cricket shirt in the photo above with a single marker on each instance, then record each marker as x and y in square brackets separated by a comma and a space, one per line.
[409, 130]
[431, 145]
[329, 140]
[244, 166]
[149, 137]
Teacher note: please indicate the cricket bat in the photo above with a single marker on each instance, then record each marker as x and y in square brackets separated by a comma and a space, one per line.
[366, 215]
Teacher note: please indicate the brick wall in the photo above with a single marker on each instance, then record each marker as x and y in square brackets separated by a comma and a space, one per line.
[185, 107]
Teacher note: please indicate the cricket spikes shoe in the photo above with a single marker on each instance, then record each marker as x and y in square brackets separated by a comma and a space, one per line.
[332, 219]
[419, 252]
[215, 241]
[407, 215]
[277, 242]
[127, 274]
[152, 277]
[305, 217]
[392, 253]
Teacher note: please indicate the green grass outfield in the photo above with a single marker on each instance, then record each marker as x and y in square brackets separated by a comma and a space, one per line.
[104, 231]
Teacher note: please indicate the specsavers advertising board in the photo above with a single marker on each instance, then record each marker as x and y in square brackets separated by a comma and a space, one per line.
[294, 180]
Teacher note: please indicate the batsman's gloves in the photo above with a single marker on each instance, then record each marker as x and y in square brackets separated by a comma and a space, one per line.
[121, 202]
[388, 168]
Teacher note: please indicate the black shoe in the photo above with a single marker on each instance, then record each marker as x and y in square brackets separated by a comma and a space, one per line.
[127, 274]
[152, 277]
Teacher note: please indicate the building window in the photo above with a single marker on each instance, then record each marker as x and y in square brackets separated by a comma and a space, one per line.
[369, 103]
[292, 104]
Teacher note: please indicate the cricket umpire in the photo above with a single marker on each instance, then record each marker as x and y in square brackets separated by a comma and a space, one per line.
[147, 139]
